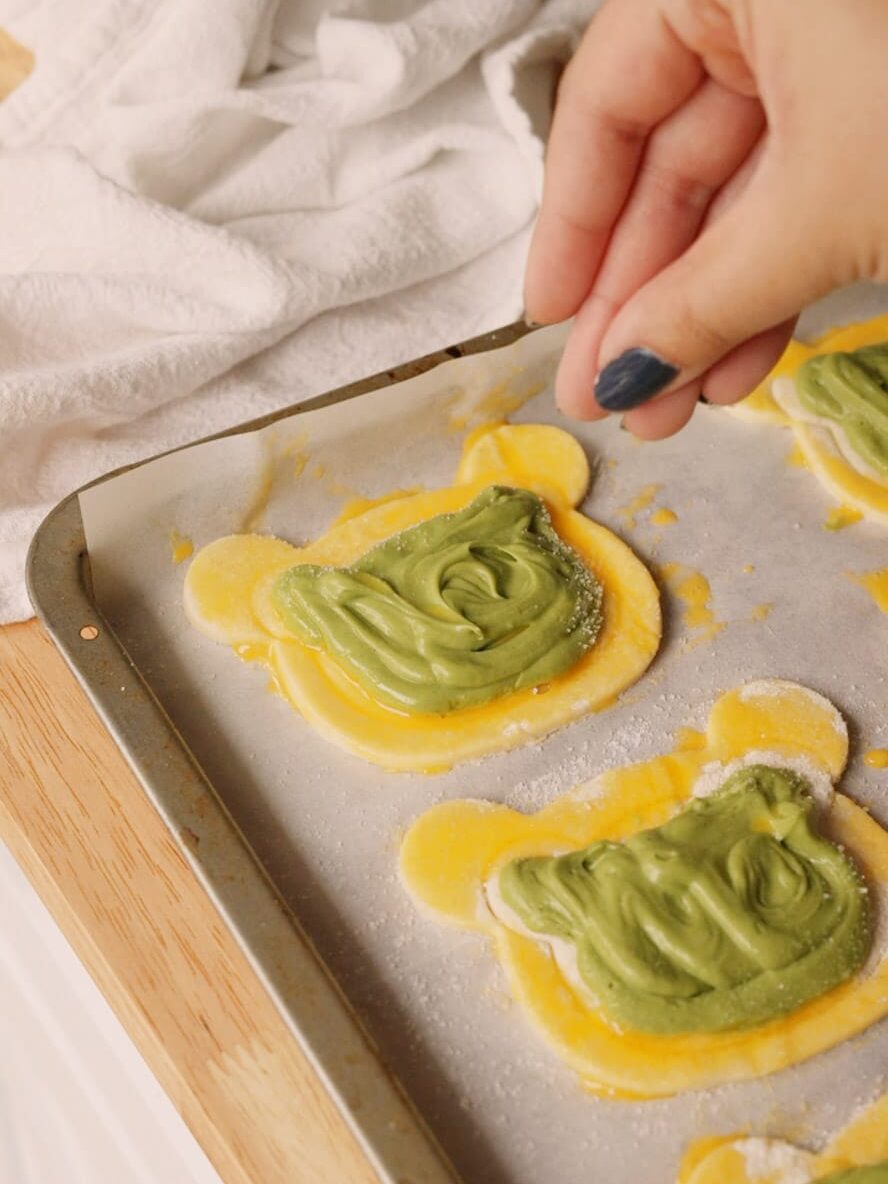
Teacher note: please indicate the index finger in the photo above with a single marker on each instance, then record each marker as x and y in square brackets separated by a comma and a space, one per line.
[630, 71]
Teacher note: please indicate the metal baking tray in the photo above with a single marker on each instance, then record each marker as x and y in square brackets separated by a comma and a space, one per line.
[393, 1135]
[484, 1093]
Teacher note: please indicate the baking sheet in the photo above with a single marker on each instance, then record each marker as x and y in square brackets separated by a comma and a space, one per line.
[326, 825]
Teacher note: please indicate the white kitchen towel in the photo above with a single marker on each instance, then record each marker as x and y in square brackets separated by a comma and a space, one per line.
[212, 208]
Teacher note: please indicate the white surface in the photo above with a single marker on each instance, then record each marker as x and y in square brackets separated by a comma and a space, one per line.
[77, 1103]
[212, 208]
[327, 825]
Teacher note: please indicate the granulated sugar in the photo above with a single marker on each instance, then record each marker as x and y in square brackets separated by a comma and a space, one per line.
[779, 1162]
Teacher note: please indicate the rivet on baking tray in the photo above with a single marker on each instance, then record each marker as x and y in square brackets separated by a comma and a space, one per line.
[89, 632]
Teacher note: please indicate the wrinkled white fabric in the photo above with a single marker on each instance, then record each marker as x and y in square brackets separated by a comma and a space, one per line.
[210, 209]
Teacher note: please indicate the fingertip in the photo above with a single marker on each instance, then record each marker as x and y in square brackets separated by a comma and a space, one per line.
[575, 380]
[576, 401]
[561, 266]
[664, 416]
[741, 371]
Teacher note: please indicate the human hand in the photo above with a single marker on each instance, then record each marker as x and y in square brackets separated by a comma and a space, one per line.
[713, 166]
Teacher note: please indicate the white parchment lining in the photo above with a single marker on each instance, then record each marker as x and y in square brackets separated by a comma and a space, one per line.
[327, 826]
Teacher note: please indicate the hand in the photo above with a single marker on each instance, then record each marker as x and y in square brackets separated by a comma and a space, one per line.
[714, 165]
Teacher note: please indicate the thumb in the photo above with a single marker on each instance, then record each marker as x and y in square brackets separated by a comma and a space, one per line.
[754, 267]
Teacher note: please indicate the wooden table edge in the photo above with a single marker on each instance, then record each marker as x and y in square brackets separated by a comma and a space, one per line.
[82, 828]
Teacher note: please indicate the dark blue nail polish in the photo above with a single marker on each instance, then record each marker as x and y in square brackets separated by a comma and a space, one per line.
[631, 379]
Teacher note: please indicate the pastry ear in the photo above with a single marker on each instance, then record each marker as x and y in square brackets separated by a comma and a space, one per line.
[448, 853]
[222, 582]
[538, 457]
[776, 716]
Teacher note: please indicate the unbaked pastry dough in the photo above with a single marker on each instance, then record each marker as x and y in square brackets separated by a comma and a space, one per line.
[744, 1159]
[228, 597]
[451, 853]
[817, 441]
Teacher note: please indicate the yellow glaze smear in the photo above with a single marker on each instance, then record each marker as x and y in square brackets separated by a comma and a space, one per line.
[795, 458]
[761, 612]
[494, 405]
[721, 1159]
[664, 517]
[181, 547]
[641, 502]
[227, 596]
[452, 850]
[841, 516]
[876, 583]
[876, 758]
[692, 589]
[356, 506]
[689, 740]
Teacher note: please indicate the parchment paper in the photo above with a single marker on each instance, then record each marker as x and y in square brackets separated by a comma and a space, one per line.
[327, 825]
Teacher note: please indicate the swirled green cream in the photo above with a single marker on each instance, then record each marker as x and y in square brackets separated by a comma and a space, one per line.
[851, 389]
[875, 1173]
[453, 612]
[730, 914]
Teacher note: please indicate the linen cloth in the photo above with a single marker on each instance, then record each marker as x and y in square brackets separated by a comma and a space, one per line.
[212, 208]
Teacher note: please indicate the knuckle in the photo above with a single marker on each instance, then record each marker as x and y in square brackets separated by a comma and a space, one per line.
[676, 190]
[698, 334]
[590, 107]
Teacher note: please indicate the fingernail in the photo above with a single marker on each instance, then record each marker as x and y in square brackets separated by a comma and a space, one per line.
[702, 399]
[632, 378]
[533, 324]
[623, 426]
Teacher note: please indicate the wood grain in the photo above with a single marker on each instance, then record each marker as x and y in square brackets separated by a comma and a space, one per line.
[100, 857]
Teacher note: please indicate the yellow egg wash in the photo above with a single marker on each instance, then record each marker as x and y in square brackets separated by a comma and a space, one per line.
[795, 458]
[876, 758]
[450, 853]
[181, 547]
[254, 515]
[761, 612]
[664, 517]
[692, 588]
[495, 405]
[876, 583]
[296, 451]
[228, 596]
[689, 740]
[815, 446]
[356, 506]
[841, 516]
[641, 502]
[746, 1159]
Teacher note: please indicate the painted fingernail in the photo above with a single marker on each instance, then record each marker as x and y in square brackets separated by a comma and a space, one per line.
[632, 378]
[702, 399]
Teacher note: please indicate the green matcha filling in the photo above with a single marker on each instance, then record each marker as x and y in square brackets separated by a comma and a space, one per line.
[453, 612]
[876, 1173]
[730, 914]
[852, 390]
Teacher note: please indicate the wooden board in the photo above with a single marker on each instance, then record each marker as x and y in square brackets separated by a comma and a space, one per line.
[91, 843]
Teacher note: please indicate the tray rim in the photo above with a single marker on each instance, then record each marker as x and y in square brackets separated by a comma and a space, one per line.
[392, 1133]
